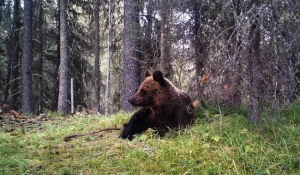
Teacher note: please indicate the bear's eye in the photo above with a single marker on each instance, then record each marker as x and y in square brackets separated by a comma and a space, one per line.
[143, 92]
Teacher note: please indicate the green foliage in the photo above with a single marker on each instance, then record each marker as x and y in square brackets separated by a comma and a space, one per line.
[211, 146]
[292, 113]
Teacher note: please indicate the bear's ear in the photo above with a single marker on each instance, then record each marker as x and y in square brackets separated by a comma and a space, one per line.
[158, 76]
[148, 73]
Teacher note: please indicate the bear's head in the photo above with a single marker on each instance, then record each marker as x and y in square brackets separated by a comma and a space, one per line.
[148, 91]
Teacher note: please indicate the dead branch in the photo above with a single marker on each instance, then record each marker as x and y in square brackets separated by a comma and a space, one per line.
[69, 137]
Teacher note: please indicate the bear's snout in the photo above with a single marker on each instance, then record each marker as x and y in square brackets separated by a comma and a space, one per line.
[135, 101]
[131, 101]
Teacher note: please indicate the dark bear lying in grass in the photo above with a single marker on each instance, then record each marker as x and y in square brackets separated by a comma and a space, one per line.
[163, 107]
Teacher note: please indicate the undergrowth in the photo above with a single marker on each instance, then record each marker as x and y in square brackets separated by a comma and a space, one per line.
[217, 143]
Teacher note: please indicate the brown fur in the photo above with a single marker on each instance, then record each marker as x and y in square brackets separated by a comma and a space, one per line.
[172, 108]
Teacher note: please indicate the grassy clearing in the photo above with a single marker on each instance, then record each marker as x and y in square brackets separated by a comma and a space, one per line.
[211, 146]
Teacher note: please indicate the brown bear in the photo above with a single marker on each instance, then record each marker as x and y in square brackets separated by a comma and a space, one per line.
[163, 107]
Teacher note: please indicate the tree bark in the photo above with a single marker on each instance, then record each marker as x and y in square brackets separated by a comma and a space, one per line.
[63, 67]
[165, 46]
[254, 37]
[198, 44]
[41, 55]
[107, 89]
[131, 66]
[12, 83]
[233, 75]
[97, 64]
[149, 43]
[7, 80]
[55, 91]
[27, 59]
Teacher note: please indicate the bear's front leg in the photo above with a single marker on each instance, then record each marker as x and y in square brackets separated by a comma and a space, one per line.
[138, 123]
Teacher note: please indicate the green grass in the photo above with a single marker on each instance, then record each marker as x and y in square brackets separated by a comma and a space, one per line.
[213, 145]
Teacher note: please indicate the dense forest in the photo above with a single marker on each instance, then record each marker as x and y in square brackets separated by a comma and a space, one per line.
[242, 54]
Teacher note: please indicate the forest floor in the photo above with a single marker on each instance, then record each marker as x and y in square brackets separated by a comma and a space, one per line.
[217, 143]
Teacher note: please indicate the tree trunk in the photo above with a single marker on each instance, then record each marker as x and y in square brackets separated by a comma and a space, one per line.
[27, 59]
[254, 37]
[7, 80]
[131, 66]
[55, 91]
[41, 55]
[233, 75]
[97, 65]
[107, 89]
[12, 83]
[149, 42]
[198, 47]
[165, 57]
[63, 67]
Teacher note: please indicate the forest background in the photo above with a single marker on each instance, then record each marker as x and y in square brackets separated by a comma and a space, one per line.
[242, 54]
